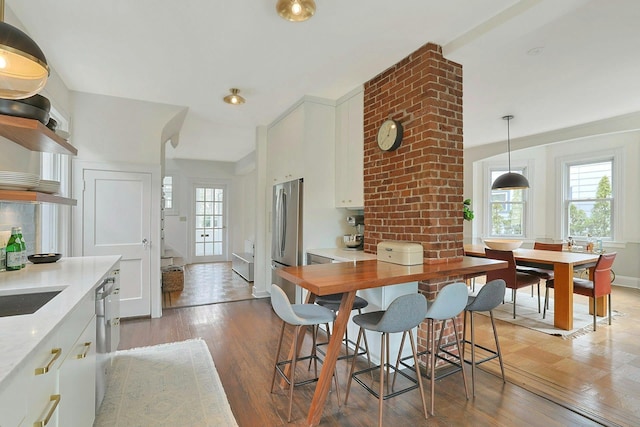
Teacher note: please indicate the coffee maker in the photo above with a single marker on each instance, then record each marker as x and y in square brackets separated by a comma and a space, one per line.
[355, 241]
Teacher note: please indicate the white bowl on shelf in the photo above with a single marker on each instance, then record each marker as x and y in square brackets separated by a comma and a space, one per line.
[503, 244]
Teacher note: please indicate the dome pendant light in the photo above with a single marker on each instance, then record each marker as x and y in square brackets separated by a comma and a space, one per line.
[23, 66]
[233, 98]
[510, 180]
[296, 10]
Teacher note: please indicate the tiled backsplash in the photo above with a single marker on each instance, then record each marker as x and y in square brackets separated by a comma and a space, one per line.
[22, 215]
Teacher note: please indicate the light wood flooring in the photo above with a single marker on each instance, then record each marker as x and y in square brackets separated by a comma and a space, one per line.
[590, 380]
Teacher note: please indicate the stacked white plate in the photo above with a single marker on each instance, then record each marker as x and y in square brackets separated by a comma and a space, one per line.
[18, 180]
[49, 187]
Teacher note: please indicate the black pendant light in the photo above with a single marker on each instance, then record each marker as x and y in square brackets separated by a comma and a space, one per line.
[510, 180]
[23, 66]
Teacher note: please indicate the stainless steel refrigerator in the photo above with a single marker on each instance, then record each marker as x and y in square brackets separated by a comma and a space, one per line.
[286, 232]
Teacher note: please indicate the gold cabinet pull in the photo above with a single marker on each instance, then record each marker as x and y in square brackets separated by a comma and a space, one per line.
[82, 355]
[56, 353]
[55, 398]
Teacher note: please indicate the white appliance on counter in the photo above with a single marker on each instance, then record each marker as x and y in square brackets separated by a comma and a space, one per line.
[403, 253]
[107, 329]
[286, 234]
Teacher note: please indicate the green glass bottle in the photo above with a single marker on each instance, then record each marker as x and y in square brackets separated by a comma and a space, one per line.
[23, 246]
[14, 251]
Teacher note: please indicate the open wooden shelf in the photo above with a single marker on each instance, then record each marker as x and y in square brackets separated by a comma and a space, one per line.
[34, 197]
[34, 136]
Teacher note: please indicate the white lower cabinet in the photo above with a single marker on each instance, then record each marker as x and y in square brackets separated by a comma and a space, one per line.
[56, 386]
[76, 380]
[42, 395]
[379, 299]
[13, 404]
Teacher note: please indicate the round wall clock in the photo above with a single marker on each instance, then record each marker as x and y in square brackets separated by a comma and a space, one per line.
[390, 135]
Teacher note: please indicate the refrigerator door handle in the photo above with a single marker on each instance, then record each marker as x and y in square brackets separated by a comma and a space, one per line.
[283, 225]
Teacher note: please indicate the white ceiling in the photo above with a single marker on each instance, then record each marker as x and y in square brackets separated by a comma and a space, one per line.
[189, 53]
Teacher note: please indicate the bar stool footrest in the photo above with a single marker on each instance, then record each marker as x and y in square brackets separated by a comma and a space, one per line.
[288, 362]
[442, 374]
[393, 393]
[494, 354]
[361, 350]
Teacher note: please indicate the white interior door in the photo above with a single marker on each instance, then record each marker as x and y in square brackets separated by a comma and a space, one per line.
[210, 222]
[117, 221]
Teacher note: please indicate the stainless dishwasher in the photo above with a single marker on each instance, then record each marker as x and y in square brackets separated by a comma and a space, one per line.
[107, 329]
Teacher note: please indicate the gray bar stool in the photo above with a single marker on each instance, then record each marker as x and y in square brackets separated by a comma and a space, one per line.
[332, 302]
[488, 298]
[449, 303]
[403, 314]
[298, 315]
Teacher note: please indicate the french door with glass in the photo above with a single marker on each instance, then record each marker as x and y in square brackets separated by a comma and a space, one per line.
[209, 219]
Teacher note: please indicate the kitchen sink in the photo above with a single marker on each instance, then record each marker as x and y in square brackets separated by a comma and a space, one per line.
[15, 305]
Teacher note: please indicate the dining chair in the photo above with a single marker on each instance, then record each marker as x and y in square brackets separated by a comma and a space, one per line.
[298, 315]
[513, 279]
[543, 273]
[403, 314]
[599, 286]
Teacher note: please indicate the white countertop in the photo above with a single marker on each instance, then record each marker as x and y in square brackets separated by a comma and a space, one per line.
[20, 335]
[344, 255]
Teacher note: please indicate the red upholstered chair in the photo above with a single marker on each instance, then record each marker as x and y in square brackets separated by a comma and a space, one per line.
[541, 272]
[600, 286]
[513, 279]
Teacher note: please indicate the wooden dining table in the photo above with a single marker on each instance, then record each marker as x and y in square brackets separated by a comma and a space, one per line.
[563, 264]
[349, 277]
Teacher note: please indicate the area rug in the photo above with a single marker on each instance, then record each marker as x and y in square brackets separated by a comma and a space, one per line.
[172, 384]
[527, 315]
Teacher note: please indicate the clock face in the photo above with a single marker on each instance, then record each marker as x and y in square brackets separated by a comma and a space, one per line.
[389, 135]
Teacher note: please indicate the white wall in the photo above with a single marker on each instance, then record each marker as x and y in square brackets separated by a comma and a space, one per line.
[110, 129]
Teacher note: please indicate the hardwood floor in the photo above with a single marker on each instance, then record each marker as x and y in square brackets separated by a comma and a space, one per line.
[591, 380]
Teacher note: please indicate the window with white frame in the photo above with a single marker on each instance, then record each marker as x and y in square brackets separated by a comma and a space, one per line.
[589, 199]
[506, 209]
[168, 194]
[54, 223]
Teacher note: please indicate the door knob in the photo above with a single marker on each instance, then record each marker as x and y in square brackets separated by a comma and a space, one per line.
[145, 243]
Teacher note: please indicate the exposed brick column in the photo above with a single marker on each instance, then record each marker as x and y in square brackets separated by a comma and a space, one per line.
[415, 193]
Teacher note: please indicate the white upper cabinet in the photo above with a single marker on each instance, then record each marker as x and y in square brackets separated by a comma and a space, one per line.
[286, 147]
[300, 144]
[350, 151]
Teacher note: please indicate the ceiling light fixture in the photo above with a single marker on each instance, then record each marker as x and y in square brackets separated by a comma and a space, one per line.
[510, 180]
[233, 98]
[23, 66]
[296, 10]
